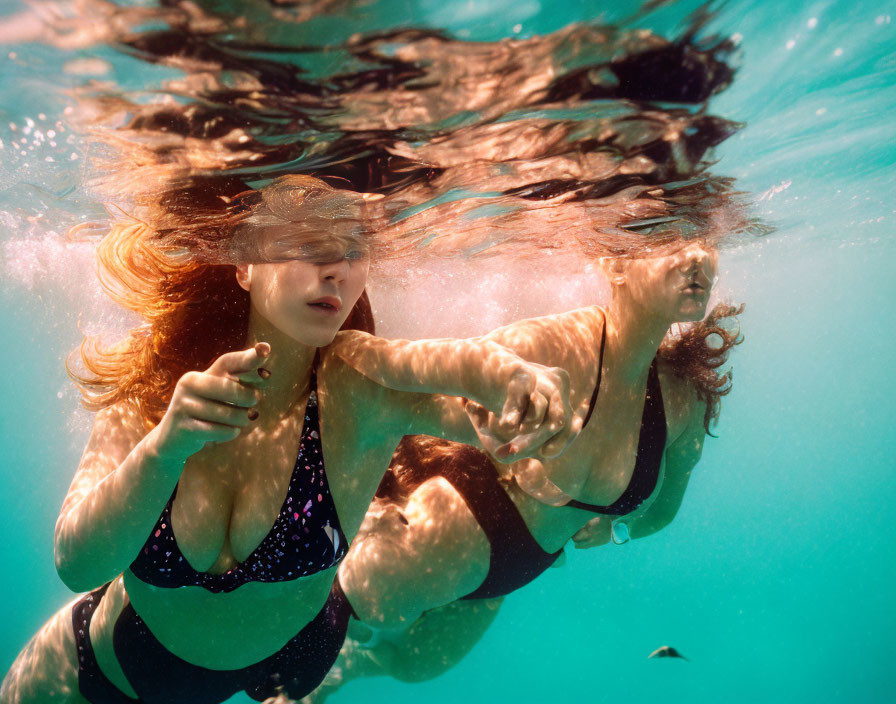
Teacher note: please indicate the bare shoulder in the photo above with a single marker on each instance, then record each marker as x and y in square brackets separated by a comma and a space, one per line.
[683, 407]
[338, 376]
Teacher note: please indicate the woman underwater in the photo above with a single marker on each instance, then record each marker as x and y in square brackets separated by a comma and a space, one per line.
[210, 546]
[446, 539]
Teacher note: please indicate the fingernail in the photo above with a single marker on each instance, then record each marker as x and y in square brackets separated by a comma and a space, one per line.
[264, 373]
[262, 349]
[252, 413]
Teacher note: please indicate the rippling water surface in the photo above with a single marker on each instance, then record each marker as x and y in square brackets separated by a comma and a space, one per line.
[507, 138]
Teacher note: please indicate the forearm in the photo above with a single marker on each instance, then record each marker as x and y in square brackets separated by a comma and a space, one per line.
[100, 535]
[444, 417]
[473, 368]
[666, 506]
[648, 524]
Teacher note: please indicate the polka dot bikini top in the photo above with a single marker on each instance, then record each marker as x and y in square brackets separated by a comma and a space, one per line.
[306, 537]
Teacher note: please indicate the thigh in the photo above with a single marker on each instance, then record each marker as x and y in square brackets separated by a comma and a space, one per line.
[438, 640]
[47, 668]
[411, 557]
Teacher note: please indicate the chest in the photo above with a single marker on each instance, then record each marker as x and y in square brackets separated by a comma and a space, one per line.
[601, 460]
[230, 496]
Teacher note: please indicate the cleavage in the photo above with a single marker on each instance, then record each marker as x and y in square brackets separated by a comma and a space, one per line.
[230, 497]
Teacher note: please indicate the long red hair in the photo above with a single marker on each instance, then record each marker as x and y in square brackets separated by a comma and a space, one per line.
[192, 308]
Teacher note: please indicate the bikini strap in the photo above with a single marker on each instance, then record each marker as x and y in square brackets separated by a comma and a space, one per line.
[600, 372]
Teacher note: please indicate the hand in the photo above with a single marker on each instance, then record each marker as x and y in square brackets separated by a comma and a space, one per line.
[594, 533]
[215, 405]
[536, 419]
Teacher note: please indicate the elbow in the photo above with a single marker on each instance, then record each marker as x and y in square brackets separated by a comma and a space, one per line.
[69, 576]
[67, 573]
[64, 564]
[67, 567]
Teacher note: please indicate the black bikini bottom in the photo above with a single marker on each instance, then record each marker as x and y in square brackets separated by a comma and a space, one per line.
[159, 677]
[516, 557]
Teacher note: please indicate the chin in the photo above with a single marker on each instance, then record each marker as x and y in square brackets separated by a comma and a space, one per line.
[315, 335]
[691, 313]
[320, 339]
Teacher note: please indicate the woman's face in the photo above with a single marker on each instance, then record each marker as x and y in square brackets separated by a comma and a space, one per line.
[675, 280]
[308, 298]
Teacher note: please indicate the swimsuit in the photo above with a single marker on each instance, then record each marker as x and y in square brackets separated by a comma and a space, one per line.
[651, 445]
[306, 538]
[516, 558]
[161, 677]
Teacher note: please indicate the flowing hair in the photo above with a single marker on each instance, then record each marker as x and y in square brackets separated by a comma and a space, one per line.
[180, 279]
[697, 353]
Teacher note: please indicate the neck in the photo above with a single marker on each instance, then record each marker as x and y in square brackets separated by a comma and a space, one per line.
[634, 335]
[289, 364]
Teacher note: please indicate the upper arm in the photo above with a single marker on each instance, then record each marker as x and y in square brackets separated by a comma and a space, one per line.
[116, 431]
[382, 416]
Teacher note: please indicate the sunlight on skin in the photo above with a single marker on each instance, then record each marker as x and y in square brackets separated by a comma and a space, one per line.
[227, 441]
[47, 668]
[420, 542]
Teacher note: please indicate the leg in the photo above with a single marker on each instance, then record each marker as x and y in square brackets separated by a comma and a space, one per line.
[438, 640]
[435, 643]
[411, 557]
[47, 668]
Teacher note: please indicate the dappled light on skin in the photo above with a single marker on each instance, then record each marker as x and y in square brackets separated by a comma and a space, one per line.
[421, 549]
[46, 669]
[411, 542]
[590, 141]
[223, 436]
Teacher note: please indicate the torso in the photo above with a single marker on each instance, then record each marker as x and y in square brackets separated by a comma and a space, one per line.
[605, 449]
[228, 498]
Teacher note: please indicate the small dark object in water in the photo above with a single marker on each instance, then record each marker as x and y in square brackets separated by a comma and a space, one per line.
[667, 651]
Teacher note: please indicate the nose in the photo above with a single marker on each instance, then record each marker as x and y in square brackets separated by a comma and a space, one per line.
[335, 271]
[696, 255]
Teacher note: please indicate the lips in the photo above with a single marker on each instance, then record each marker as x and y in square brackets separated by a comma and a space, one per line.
[696, 286]
[326, 304]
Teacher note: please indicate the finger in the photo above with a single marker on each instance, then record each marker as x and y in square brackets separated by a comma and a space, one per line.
[236, 363]
[212, 432]
[564, 429]
[535, 414]
[526, 445]
[222, 390]
[218, 413]
[519, 389]
[479, 418]
[257, 378]
[478, 415]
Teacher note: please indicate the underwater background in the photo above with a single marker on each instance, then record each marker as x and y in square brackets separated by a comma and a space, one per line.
[777, 579]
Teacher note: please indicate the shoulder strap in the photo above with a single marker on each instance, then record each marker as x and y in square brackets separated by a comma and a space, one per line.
[600, 372]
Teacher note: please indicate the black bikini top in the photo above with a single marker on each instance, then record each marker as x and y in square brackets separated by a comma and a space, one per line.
[651, 445]
[305, 539]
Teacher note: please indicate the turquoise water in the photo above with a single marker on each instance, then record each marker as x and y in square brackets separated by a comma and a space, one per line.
[777, 577]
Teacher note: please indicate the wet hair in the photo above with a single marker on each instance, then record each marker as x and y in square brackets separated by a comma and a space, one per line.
[698, 351]
[180, 279]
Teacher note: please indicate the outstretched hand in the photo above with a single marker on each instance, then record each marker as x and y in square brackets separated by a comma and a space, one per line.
[215, 405]
[536, 420]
